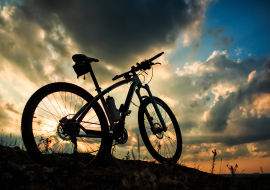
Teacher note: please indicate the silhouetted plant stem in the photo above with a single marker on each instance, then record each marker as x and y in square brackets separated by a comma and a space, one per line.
[214, 159]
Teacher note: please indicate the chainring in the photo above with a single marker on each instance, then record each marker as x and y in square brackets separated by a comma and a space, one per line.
[122, 139]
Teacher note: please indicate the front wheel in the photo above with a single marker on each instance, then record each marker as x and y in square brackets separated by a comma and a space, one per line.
[161, 145]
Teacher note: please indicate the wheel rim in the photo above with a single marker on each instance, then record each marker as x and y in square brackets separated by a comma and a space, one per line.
[164, 143]
[50, 138]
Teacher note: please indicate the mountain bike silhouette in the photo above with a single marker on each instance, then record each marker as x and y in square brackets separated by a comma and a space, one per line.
[66, 122]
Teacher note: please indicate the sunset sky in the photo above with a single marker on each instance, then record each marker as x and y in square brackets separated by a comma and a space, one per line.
[215, 71]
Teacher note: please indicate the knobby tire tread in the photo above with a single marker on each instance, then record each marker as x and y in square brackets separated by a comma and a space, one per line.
[144, 135]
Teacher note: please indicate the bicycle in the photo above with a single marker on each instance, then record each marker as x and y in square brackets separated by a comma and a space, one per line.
[65, 122]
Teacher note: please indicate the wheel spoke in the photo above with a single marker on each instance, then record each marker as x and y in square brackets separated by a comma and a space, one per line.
[162, 145]
[54, 102]
[58, 104]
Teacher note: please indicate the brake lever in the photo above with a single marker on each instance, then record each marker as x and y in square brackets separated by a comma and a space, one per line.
[157, 63]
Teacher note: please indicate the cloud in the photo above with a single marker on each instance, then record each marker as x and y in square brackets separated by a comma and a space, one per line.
[39, 37]
[238, 51]
[245, 97]
[214, 32]
[261, 149]
[218, 68]
[3, 117]
[219, 114]
[26, 50]
[116, 31]
[203, 152]
[9, 116]
[239, 112]
[224, 42]
[11, 107]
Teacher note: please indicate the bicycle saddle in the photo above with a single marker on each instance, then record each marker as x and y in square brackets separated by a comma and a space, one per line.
[79, 58]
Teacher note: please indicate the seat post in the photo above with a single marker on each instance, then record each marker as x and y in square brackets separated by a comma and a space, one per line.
[98, 89]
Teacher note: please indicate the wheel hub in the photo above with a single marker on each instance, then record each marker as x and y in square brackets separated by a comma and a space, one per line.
[67, 129]
[159, 130]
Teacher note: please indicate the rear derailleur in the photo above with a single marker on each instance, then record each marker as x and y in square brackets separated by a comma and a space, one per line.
[67, 130]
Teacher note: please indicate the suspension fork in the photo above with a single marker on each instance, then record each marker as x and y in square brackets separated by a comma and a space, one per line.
[146, 87]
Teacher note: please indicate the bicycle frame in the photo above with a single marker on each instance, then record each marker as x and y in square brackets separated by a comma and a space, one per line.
[78, 117]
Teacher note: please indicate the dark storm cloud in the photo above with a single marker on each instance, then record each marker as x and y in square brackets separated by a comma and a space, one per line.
[254, 130]
[117, 31]
[251, 130]
[219, 114]
[37, 35]
[224, 121]
[225, 70]
[259, 84]
[262, 147]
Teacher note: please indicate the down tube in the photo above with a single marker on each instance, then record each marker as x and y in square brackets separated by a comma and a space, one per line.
[82, 112]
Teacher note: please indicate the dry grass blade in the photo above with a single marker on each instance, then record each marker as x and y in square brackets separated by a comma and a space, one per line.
[133, 155]
[261, 169]
[138, 138]
[220, 165]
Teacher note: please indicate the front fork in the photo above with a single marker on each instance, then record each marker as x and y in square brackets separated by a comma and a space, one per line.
[146, 87]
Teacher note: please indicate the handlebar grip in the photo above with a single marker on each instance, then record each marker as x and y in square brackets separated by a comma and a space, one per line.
[156, 56]
[116, 77]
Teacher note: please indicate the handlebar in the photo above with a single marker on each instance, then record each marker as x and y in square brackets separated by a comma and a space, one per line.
[156, 56]
[146, 64]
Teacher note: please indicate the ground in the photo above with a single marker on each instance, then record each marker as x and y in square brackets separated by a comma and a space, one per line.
[18, 171]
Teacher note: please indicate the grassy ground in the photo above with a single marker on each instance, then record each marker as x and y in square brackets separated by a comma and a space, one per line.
[18, 171]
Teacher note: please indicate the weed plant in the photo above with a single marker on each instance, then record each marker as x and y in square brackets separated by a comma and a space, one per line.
[9, 141]
[213, 161]
[232, 169]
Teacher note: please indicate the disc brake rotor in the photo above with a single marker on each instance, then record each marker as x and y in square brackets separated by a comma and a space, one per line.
[61, 134]
[67, 130]
[159, 130]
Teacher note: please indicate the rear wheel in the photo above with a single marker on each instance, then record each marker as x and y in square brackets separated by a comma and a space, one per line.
[51, 142]
[160, 144]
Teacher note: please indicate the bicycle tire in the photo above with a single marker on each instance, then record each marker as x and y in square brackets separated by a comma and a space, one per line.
[156, 144]
[43, 137]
